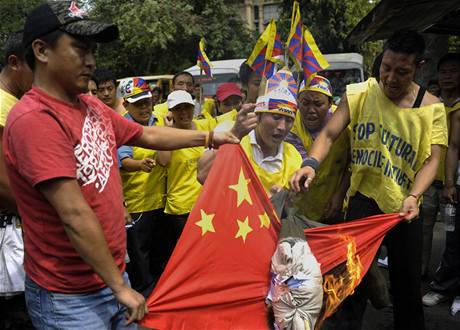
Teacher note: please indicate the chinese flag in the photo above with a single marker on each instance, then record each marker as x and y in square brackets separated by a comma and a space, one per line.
[219, 273]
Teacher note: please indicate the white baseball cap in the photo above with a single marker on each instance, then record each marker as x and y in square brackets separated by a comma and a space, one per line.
[179, 97]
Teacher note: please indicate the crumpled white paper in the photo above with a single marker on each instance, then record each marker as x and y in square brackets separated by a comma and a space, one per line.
[296, 291]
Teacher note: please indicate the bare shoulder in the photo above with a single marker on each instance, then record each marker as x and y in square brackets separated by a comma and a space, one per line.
[429, 99]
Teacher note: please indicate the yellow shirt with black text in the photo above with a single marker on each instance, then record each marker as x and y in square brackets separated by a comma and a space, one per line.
[389, 144]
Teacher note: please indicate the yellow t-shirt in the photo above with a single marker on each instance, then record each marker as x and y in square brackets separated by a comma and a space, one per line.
[312, 203]
[441, 169]
[182, 187]
[208, 109]
[143, 191]
[209, 124]
[389, 145]
[291, 163]
[160, 110]
[7, 101]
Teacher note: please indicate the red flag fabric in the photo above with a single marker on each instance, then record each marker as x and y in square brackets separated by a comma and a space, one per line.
[329, 243]
[219, 273]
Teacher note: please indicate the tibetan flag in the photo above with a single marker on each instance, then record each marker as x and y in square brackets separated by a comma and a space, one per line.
[203, 61]
[275, 51]
[295, 39]
[284, 81]
[267, 51]
[219, 273]
[312, 59]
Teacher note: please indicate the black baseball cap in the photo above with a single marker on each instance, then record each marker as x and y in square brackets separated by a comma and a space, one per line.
[65, 16]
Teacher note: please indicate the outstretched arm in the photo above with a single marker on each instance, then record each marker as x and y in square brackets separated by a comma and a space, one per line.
[166, 138]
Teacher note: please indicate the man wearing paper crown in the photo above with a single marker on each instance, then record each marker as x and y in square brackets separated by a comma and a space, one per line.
[324, 200]
[272, 159]
[143, 175]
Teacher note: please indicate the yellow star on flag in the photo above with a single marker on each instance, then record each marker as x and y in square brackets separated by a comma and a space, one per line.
[244, 229]
[264, 220]
[241, 189]
[206, 223]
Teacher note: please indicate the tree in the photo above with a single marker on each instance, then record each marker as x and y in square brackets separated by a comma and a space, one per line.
[13, 14]
[161, 36]
[330, 21]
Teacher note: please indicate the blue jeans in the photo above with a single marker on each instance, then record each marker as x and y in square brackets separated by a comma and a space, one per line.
[94, 310]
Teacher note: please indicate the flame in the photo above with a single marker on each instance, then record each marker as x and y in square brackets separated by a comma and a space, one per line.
[337, 287]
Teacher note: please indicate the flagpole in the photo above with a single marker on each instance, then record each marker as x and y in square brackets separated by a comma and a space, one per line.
[263, 81]
[201, 90]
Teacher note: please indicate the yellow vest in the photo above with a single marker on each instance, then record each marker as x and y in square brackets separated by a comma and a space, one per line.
[389, 145]
[7, 101]
[291, 163]
[441, 169]
[312, 203]
[182, 187]
[143, 191]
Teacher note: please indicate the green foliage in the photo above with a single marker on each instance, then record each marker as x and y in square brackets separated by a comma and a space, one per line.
[161, 36]
[454, 44]
[13, 14]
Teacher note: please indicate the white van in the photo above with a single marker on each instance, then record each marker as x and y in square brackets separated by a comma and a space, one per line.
[222, 71]
[344, 68]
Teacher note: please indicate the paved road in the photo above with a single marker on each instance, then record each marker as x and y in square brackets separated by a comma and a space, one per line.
[437, 317]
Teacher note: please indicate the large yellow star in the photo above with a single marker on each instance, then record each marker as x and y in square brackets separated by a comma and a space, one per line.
[243, 229]
[264, 220]
[241, 189]
[205, 223]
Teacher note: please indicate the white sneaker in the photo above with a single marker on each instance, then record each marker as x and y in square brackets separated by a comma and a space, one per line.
[432, 298]
[455, 306]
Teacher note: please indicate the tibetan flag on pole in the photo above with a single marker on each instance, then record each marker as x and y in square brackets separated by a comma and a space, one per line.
[203, 61]
[219, 274]
[295, 39]
[312, 59]
[267, 51]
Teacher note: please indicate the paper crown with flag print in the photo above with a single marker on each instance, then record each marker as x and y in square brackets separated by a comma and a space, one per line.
[280, 95]
[134, 89]
[317, 84]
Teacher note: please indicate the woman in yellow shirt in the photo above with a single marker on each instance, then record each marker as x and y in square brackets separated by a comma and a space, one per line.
[182, 187]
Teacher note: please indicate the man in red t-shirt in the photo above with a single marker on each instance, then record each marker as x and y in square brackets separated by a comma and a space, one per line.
[60, 151]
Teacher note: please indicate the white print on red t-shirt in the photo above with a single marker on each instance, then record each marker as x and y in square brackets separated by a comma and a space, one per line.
[94, 152]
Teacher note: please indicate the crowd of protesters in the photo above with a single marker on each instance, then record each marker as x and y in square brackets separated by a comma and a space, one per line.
[97, 177]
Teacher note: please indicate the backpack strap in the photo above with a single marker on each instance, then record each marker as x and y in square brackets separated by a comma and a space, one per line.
[419, 98]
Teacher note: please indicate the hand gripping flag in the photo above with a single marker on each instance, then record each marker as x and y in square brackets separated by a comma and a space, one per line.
[203, 61]
[312, 58]
[267, 51]
[295, 39]
[219, 274]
